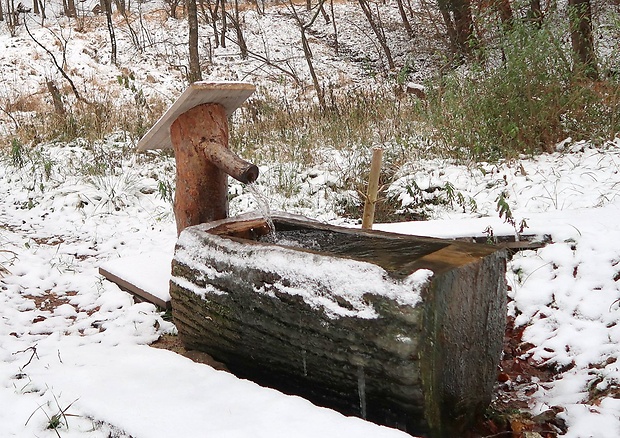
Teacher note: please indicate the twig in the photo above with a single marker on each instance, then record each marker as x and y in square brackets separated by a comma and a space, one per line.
[60, 69]
[34, 353]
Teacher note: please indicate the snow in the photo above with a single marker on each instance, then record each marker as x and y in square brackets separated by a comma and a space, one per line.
[304, 274]
[73, 343]
[91, 353]
[147, 271]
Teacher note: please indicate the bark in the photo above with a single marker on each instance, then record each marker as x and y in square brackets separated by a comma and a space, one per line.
[240, 37]
[223, 32]
[429, 366]
[378, 31]
[464, 26]
[333, 19]
[303, 27]
[201, 188]
[69, 8]
[195, 73]
[582, 39]
[449, 23]
[56, 98]
[459, 23]
[42, 9]
[404, 18]
[505, 12]
[107, 4]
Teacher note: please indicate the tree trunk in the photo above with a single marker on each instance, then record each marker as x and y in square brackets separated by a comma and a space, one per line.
[536, 12]
[303, 27]
[240, 37]
[70, 8]
[195, 73]
[459, 24]
[56, 98]
[378, 31]
[107, 4]
[404, 18]
[354, 321]
[444, 8]
[223, 33]
[42, 9]
[197, 176]
[580, 20]
[333, 18]
[505, 12]
[464, 26]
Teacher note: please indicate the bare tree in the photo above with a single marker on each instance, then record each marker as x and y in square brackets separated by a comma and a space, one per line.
[12, 17]
[64, 74]
[223, 32]
[331, 11]
[172, 7]
[405, 18]
[459, 23]
[107, 5]
[580, 20]
[236, 20]
[211, 17]
[377, 28]
[41, 4]
[303, 28]
[68, 7]
[194, 60]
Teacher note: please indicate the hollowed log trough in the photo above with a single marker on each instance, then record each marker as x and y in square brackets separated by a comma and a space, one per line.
[404, 331]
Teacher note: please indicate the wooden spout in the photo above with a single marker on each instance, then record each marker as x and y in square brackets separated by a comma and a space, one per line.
[230, 163]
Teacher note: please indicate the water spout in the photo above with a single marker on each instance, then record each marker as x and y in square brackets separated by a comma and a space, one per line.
[230, 163]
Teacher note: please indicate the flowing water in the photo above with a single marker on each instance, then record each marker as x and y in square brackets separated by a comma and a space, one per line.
[361, 390]
[263, 206]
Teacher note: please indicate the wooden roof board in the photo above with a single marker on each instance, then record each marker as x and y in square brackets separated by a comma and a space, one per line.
[230, 95]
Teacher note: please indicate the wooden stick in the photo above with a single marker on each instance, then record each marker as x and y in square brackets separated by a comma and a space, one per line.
[373, 187]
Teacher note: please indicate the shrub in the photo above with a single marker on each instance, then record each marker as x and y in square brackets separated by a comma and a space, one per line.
[527, 104]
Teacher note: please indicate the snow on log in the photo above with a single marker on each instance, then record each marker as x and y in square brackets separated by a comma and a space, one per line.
[401, 330]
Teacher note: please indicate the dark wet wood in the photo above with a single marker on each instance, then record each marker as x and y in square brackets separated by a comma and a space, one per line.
[428, 368]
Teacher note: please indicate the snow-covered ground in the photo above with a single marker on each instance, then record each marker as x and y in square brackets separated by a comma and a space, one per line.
[74, 345]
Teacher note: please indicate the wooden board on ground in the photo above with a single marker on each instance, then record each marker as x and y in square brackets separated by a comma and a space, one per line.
[146, 276]
[228, 94]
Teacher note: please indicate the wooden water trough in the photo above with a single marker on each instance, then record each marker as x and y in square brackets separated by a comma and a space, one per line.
[403, 331]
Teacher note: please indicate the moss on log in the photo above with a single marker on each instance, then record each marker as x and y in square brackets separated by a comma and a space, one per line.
[355, 320]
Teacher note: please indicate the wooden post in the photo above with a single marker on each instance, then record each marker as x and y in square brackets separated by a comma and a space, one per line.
[373, 187]
[196, 127]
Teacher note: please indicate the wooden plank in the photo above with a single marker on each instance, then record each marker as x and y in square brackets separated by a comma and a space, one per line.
[140, 293]
[228, 94]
